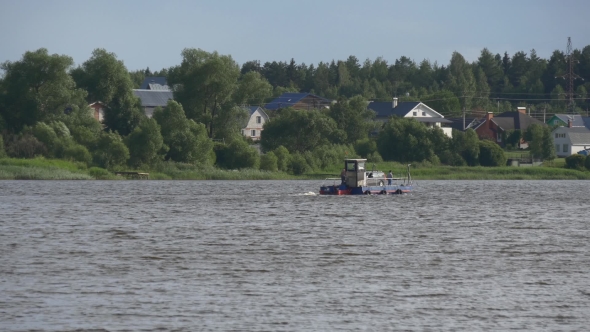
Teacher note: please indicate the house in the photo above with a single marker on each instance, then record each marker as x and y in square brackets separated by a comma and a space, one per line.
[413, 109]
[256, 121]
[154, 83]
[562, 120]
[150, 99]
[493, 127]
[298, 101]
[98, 108]
[571, 139]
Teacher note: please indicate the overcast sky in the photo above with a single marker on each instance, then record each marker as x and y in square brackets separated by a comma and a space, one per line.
[152, 33]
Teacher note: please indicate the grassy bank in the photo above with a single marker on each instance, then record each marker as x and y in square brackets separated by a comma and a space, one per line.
[52, 169]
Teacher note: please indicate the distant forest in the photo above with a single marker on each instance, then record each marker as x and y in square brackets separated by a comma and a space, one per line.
[494, 82]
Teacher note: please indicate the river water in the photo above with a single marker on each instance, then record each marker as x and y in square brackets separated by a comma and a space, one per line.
[274, 256]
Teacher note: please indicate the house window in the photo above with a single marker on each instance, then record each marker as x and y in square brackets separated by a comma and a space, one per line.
[253, 133]
[243, 132]
[499, 137]
[423, 113]
[556, 147]
[258, 119]
[565, 148]
[415, 113]
[556, 135]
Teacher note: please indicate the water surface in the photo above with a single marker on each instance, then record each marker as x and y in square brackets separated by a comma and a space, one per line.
[273, 256]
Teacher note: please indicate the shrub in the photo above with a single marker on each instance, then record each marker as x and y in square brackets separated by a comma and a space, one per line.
[374, 157]
[491, 154]
[77, 152]
[26, 146]
[298, 165]
[268, 162]
[587, 163]
[575, 161]
[99, 173]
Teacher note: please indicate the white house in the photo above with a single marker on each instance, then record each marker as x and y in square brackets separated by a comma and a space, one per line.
[255, 123]
[414, 109]
[570, 140]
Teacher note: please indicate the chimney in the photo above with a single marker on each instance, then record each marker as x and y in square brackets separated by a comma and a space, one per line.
[570, 123]
[489, 116]
[394, 104]
[521, 110]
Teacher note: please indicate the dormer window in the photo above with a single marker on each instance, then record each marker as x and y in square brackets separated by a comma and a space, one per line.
[415, 113]
[423, 113]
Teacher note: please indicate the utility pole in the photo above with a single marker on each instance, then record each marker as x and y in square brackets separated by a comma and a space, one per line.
[463, 118]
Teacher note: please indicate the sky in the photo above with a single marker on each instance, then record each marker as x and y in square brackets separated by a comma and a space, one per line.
[152, 34]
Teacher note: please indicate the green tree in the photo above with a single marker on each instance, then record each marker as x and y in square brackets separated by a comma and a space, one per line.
[405, 140]
[145, 143]
[186, 140]
[547, 145]
[203, 83]
[299, 131]
[107, 80]
[444, 102]
[36, 87]
[352, 117]
[466, 145]
[534, 137]
[461, 80]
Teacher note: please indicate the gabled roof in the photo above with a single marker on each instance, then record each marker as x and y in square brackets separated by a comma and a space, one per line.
[151, 80]
[153, 98]
[252, 109]
[578, 135]
[385, 110]
[514, 120]
[288, 99]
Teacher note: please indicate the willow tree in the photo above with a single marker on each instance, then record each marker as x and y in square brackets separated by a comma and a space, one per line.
[36, 87]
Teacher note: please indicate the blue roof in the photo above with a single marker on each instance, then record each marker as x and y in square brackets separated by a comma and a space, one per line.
[288, 99]
[385, 110]
[151, 80]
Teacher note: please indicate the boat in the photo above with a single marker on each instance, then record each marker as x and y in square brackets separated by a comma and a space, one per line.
[359, 181]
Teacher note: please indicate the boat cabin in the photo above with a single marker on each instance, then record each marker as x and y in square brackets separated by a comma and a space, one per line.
[355, 172]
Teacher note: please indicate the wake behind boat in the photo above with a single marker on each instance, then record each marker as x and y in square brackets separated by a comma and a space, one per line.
[357, 181]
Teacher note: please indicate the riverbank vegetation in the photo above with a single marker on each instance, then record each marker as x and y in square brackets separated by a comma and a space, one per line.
[54, 169]
[48, 130]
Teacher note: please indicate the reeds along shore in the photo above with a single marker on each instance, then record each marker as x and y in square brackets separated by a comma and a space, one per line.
[53, 169]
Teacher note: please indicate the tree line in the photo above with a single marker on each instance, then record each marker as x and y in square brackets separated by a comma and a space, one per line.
[44, 109]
